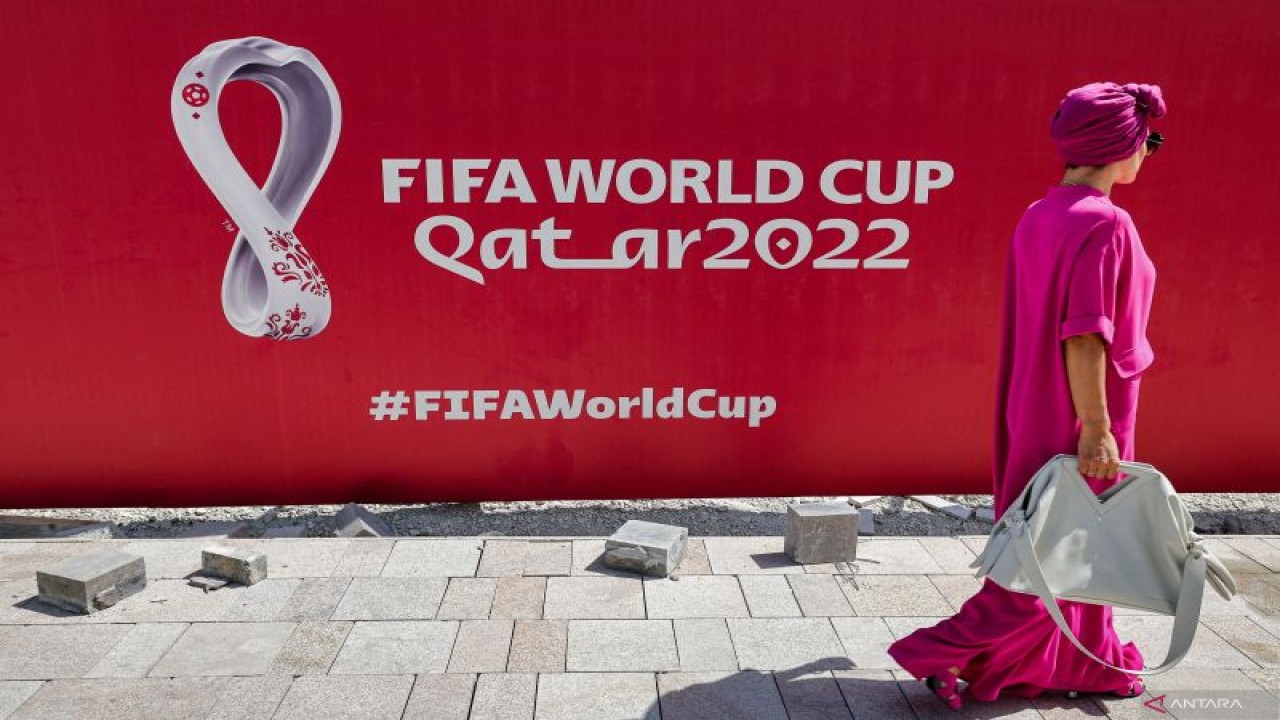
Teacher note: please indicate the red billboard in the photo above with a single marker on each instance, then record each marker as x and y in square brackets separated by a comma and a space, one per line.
[262, 253]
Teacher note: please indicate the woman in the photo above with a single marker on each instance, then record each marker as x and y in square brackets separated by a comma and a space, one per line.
[1077, 296]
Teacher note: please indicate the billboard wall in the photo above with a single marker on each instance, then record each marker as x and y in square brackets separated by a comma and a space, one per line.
[259, 253]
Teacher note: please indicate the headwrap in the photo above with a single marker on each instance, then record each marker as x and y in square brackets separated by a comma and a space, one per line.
[1104, 122]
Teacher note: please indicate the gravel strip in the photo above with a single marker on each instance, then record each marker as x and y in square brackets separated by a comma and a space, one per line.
[1231, 513]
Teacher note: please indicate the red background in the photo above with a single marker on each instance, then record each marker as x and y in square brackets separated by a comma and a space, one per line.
[122, 384]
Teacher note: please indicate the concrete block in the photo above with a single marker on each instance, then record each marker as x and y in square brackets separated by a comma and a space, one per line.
[216, 530]
[645, 547]
[985, 514]
[235, 564]
[91, 581]
[355, 521]
[821, 532]
[866, 522]
[933, 502]
[93, 531]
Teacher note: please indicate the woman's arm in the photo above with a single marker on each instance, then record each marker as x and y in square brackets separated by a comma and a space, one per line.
[1086, 372]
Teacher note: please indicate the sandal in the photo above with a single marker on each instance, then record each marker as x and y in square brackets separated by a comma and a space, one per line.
[945, 690]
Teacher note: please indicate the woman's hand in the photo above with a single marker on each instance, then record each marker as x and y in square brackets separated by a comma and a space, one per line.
[1099, 455]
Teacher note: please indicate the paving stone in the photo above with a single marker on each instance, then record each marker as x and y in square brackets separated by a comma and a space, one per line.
[548, 557]
[251, 698]
[952, 555]
[167, 559]
[905, 625]
[1237, 562]
[738, 695]
[646, 547]
[311, 649]
[872, 694]
[391, 598]
[1242, 634]
[1268, 678]
[594, 597]
[15, 692]
[481, 646]
[769, 596]
[92, 580]
[285, 531]
[1057, 706]
[821, 532]
[538, 646]
[357, 521]
[433, 558]
[927, 706]
[261, 601]
[519, 597]
[441, 697]
[1152, 633]
[468, 598]
[224, 649]
[391, 647]
[886, 595]
[621, 646]
[749, 556]
[1258, 550]
[1260, 591]
[703, 644]
[124, 698]
[787, 644]
[505, 696]
[240, 565]
[315, 599]
[502, 558]
[866, 642]
[354, 696]
[957, 589]
[136, 652]
[588, 559]
[819, 595]
[216, 530]
[694, 596]
[207, 583]
[695, 560]
[600, 696]
[43, 652]
[942, 505]
[811, 696]
[364, 558]
[975, 543]
[304, 557]
[899, 556]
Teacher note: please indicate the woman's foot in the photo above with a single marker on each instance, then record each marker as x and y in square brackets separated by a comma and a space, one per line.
[945, 686]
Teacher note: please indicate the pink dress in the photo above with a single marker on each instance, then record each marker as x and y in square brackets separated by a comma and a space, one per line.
[1075, 266]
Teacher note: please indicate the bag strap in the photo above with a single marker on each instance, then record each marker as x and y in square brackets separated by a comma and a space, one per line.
[1185, 619]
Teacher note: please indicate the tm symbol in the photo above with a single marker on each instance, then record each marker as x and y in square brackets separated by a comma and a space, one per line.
[228, 226]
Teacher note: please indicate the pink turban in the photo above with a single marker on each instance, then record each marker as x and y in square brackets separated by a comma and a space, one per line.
[1103, 122]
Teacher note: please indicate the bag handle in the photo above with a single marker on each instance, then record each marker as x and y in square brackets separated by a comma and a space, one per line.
[1185, 620]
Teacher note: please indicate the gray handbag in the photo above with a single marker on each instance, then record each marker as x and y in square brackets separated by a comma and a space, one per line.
[1131, 546]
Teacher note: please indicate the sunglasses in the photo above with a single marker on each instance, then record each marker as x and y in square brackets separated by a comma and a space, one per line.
[1154, 141]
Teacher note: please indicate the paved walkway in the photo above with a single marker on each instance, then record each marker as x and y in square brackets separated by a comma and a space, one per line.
[495, 628]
